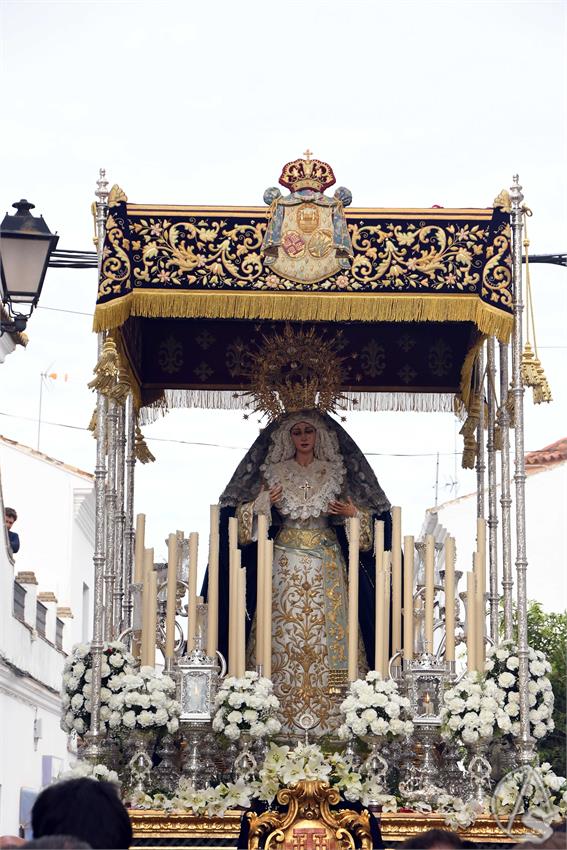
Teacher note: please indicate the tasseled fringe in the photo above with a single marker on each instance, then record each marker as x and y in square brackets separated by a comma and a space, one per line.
[533, 375]
[230, 400]
[303, 306]
[141, 450]
[469, 433]
[93, 423]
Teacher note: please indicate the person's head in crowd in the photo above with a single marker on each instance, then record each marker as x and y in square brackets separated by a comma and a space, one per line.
[7, 842]
[434, 839]
[56, 842]
[85, 808]
[10, 517]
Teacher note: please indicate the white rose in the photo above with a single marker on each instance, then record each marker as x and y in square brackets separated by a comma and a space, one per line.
[77, 702]
[506, 680]
[234, 717]
[537, 668]
[513, 662]
[454, 723]
[250, 716]
[88, 675]
[539, 730]
[172, 725]
[116, 661]
[129, 719]
[501, 654]
[114, 720]
[81, 650]
[369, 714]
[79, 725]
[232, 731]
[512, 709]
[104, 712]
[258, 730]
[397, 726]
[65, 700]
[104, 670]
[161, 717]
[145, 719]
[359, 727]
[456, 704]
[273, 725]
[469, 736]
[78, 668]
[380, 700]
[379, 726]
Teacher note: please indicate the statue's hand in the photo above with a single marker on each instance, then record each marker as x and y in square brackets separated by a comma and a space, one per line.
[275, 493]
[347, 508]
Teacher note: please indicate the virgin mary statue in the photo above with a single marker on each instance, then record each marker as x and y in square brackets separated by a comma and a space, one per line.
[306, 473]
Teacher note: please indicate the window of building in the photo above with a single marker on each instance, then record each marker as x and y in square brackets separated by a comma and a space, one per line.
[19, 601]
[40, 619]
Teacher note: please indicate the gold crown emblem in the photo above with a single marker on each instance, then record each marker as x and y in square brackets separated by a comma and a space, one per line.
[297, 370]
[307, 174]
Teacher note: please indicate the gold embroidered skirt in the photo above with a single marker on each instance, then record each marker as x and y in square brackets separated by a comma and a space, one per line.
[309, 628]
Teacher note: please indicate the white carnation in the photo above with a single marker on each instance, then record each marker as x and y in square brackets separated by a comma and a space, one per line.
[129, 719]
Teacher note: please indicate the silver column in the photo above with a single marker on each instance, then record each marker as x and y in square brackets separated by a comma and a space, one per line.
[94, 734]
[119, 519]
[110, 566]
[130, 533]
[505, 495]
[480, 464]
[492, 495]
[526, 742]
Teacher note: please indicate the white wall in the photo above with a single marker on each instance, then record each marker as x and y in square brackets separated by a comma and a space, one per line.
[56, 508]
[546, 534]
[55, 523]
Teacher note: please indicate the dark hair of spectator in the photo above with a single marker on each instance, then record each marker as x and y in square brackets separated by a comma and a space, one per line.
[10, 512]
[433, 838]
[56, 842]
[90, 810]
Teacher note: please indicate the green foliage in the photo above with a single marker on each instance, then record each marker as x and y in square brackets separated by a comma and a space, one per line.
[548, 633]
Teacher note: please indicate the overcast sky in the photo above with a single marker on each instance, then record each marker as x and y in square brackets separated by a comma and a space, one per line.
[413, 104]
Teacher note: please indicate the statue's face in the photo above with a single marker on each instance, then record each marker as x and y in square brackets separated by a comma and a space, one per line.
[303, 435]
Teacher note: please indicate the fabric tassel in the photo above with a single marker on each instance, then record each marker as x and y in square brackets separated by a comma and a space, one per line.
[141, 450]
[106, 370]
[468, 431]
[122, 387]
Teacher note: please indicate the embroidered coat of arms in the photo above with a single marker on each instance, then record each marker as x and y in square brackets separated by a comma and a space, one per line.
[307, 238]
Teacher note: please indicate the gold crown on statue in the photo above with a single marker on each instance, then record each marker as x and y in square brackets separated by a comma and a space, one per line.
[296, 370]
[307, 174]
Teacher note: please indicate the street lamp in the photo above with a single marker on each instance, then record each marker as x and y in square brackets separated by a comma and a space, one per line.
[26, 243]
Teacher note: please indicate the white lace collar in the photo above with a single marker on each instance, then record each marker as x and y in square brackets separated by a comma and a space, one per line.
[307, 490]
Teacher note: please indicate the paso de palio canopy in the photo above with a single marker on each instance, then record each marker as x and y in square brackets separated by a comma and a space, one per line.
[186, 291]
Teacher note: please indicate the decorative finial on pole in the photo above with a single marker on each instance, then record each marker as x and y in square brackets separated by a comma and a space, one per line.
[516, 195]
[308, 154]
[102, 186]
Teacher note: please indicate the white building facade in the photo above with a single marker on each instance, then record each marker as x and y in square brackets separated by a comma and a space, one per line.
[45, 607]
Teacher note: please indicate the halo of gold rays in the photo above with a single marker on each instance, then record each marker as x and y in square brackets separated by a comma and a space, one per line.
[296, 370]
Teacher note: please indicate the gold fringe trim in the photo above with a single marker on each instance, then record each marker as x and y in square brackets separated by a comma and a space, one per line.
[300, 306]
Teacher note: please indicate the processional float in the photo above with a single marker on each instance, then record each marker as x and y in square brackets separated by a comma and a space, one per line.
[423, 299]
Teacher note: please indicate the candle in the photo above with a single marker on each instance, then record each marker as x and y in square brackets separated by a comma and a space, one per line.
[471, 622]
[354, 542]
[409, 548]
[241, 649]
[192, 591]
[145, 638]
[379, 626]
[260, 590]
[152, 619]
[379, 593]
[268, 562]
[233, 592]
[139, 548]
[427, 704]
[171, 596]
[386, 570]
[450, 599]
[480, 626]
[396, 581]
[429, 591]
[213, 587]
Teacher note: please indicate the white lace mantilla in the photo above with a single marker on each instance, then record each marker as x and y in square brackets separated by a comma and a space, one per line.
[307, 490]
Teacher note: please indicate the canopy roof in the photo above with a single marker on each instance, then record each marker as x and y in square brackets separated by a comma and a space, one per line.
[181, 286]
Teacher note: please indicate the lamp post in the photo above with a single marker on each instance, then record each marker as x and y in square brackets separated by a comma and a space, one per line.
[26, 244]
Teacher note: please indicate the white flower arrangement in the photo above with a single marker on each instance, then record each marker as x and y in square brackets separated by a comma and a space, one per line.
[281, 767]
[117, 662]
[501, 667]
[146, 700]
[459, 814]
[284, 766]
[212, 801]
[373, 706]
[246, 705]
[83, 769]
[540, 792]
[473, 710]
